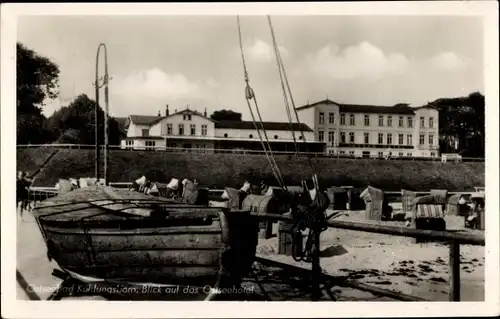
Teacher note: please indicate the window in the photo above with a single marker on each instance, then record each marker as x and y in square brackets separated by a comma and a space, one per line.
[204, 130]
[410, 121]
[367, 138]
[225, 134]
[352, 120]
[342, 119]
[331, 138]
[433, 154]
[401, 124]
[389, 120]
[170, 130]
[187, 117]
[431, 139]
[342, 152]
[342, 137]
[431, 122]
[321, 136]
[150, 145]
[202, 146]
[389, 138]
[380, 154]
[422, 122]
[381, 138]
[409, 139]
[401, 139]
[321, 118]
[409, 154]
[250, 136]
[380, 120]
[145, 132]
[401, 154]
[331, 118]
[422, 139]
[128, 143]
[193, 129]
[181, 129]
[367, 120]
[351, 137]
[275, 137]
[351, 153]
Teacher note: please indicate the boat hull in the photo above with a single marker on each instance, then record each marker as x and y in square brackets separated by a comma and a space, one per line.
[189, 247]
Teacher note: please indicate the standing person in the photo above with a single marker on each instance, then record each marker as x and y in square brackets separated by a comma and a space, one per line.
[22, 189]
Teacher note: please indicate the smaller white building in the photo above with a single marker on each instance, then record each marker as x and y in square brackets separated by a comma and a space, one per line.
[189, 129]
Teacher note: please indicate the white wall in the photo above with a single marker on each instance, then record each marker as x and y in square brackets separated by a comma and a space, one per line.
[136, 130]
[426, 148]
[160, 128]
[282, 135]
[141, 143]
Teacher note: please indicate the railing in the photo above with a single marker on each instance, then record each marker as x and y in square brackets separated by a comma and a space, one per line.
[240, 151]
[454, 239]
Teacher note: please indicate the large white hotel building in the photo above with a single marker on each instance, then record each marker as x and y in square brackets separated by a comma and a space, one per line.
[373, 131]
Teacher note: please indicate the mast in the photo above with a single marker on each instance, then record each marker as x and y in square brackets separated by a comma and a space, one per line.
[105, 82]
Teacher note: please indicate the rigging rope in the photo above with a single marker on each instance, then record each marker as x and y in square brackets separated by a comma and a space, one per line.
[287, 106]
[249, 94]
[284, 77]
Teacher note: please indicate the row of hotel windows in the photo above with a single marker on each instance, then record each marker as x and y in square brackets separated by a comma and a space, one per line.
[331, 134]
[379, 154]
[170, 129]
[352, 120]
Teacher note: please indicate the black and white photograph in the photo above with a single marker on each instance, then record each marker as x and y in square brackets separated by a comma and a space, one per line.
[287, 152]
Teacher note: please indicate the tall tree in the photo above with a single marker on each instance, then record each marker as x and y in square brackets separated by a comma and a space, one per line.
[225, 115]
[462, 119]
[37, 79]
[75, 123]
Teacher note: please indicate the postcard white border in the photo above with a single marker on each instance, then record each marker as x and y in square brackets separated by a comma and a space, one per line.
[13, 308]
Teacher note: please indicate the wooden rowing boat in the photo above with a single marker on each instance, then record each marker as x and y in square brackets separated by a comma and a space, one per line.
[117, 234]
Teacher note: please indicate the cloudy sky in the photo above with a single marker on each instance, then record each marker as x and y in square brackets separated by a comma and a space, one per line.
[195, 60]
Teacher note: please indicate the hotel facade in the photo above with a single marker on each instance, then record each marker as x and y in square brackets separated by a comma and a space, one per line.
[373, 131]
[189, 130]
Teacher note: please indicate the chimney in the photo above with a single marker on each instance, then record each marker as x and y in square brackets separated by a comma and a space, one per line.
[166, 111]
[205, 113]
[159, 113]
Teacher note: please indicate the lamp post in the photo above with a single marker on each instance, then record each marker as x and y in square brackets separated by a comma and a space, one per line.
[98, 86]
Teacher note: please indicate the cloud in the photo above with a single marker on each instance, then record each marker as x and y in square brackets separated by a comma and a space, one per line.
[155, 83]
[263, 52]
[360, 61]
[448, 61]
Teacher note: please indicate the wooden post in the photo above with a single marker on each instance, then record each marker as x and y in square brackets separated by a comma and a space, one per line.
[316, 268]
[454, 293]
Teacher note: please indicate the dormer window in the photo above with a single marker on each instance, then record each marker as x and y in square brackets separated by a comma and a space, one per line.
[187, 117]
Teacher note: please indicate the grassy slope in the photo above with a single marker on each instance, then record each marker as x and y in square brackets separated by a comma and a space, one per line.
[30, 160]
[219, 170]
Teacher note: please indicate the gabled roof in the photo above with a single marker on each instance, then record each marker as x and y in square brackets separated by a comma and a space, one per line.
[193, 112]
[153, 119]
[122, 123]
[145, 119]
[360, 108]
[268, 126]
[327, 101]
